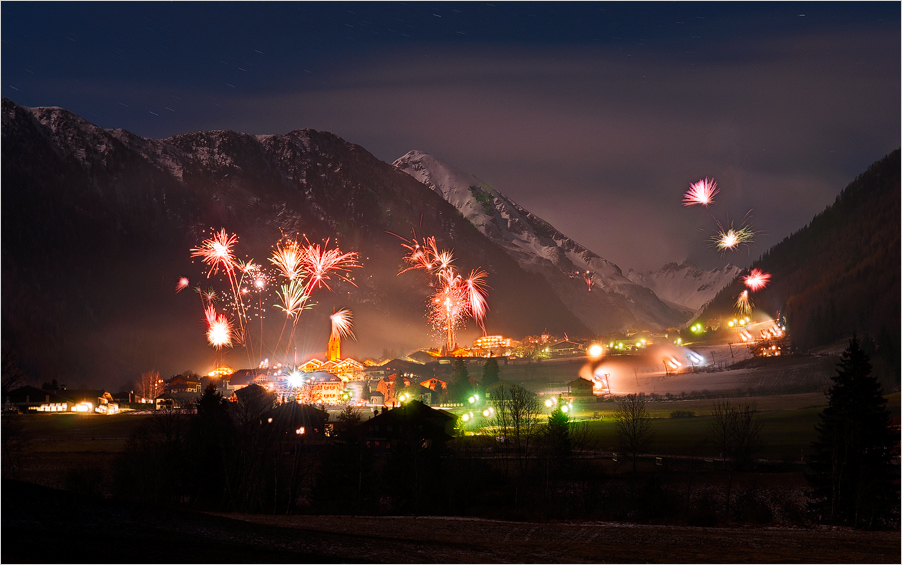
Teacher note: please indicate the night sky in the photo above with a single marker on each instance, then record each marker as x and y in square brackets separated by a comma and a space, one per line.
[596, 116]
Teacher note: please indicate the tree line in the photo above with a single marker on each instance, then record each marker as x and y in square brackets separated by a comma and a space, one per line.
[520, 461]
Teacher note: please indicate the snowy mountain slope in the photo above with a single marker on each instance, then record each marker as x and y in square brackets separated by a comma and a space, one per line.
[686, 285]
[594, 288]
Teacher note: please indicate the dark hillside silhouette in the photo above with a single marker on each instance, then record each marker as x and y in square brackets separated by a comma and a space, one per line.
[840, 273]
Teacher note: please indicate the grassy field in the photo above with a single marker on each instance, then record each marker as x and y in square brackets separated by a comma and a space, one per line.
[58, 443]
[81, 432]
[785, 435]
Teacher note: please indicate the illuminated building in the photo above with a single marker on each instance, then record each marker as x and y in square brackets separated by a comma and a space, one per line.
[493, 344]
[564, 348]
[391, 386]
[324, 388]
[334, 348]
[345, 369]
[435, 384]
[181, 383]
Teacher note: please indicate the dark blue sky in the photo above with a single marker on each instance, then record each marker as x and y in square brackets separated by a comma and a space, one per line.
[594, 115]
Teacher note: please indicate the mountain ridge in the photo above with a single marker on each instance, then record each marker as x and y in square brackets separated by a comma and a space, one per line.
[95, 218]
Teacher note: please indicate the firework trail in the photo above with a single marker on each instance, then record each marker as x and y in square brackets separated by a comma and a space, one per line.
[756, 280]
[589, 282]
[251, 271]
[701, 192]
[206, 296]
[182, 284]
[258, 280]
[744, 304]
[293, 302]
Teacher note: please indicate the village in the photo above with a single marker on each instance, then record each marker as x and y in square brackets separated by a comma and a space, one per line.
[424, 375]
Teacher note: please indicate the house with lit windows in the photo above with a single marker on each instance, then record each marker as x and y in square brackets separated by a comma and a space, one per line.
[324, 388]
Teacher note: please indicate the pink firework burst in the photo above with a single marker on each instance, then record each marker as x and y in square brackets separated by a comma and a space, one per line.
[217, 252]
[454, 298]
[420, 256]
[322, 263]
[700, 192]
[182, 284]
[756, 280]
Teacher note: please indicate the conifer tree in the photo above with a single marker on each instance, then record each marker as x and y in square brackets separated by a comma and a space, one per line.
[851, 462]
[460, 381]
[489, 373]
[558, 432]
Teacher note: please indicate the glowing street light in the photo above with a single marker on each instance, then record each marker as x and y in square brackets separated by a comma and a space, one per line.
[595, 350]
[296, 379]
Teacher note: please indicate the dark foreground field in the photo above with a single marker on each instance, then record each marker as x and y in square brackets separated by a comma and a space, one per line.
[42, 525]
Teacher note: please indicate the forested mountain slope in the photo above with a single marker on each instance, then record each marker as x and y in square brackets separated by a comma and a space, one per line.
[840, 273]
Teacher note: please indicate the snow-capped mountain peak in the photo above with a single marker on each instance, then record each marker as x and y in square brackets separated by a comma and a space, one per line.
[685, 284]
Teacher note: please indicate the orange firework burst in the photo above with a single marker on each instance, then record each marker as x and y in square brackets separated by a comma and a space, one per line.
[744, 304]
[700, 192]
[219, 330]
[756, 279]
[289, 259]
